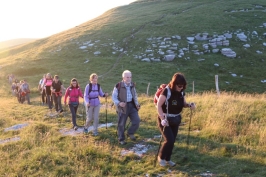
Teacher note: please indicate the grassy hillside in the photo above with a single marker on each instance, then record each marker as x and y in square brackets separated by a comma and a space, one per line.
[4, 45]
[130, 30]
[227, 132]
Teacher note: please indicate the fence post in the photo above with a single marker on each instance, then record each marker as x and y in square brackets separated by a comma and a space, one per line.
[148, 89]
[193, 87]
[216, 84]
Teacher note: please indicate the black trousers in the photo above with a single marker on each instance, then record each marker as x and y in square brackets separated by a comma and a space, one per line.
[169, 134]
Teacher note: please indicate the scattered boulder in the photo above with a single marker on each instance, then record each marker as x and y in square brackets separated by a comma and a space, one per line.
[242, 37]
[169, 57]
[228, 52]
[246, 45]
[216, 64]
[146, 59]
[97, 53]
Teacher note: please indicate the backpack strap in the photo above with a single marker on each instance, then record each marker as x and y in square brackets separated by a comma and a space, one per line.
[90, 88]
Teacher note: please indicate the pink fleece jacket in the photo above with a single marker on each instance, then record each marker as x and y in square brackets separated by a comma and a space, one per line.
[73, 94]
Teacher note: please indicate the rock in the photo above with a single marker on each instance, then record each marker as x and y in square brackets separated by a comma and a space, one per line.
[162, 47]
[178, 37]
[82, 47]
[97, 53]
[254, 33]
[149, 51]
[202, 37]
[191, 42]
[169, 57]
[228, 35]
[155, 59]
[234, 75]
[246, 45]
[205, 46]
[146, 60]
[215, 50]
[216, 64]
[228, 52]
[190, 38]
[170, 51]
[202, 59]
[242, 37]
[263, 81]
[167, 39]
[259, 52]
[264, 43]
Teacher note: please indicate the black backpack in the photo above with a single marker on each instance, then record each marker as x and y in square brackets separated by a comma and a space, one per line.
[90, 88]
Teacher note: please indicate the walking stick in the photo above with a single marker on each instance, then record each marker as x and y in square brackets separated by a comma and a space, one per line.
[155, 160]
[188, 135]
[106, 111]
[83, 113]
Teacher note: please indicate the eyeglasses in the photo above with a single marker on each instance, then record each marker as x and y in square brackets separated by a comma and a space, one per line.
[180, 86]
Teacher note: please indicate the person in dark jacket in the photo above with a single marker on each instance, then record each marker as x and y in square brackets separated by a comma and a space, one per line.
[169, 117]
[125, 98]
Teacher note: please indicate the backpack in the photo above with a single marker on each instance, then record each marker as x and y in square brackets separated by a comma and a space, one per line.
[48, 82]
[90, 88]
[159, 91]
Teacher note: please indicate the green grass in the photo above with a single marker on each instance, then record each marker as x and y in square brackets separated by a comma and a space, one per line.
[231, 136]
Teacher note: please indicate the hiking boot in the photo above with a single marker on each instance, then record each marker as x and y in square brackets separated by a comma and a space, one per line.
[162, 162]
[95, 134]
[122, 142]
[61, 111]
[75, 127]
[132, 137]
[85, 131]
[171, 163]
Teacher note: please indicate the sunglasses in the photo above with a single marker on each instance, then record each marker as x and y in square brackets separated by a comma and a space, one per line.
[180, 86]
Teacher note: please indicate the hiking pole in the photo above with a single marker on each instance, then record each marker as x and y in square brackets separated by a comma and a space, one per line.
[185, 158]
[155, 160]
[83, 113]
[106, 111]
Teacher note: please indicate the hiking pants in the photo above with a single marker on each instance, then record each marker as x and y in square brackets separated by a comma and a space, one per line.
[73, 110]
[93, 113]
[49, 101]
[57, 102]
[44, 99]
[169, 135]
[27, 96]
[132, 113]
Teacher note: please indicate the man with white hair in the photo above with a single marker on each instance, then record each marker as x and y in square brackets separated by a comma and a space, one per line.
[125, 98]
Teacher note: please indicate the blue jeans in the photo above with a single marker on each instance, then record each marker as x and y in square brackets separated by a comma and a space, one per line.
[74, 113]
[169, 134]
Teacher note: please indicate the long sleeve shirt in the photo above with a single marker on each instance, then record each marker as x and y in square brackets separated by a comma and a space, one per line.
[93, 96]
[73, 94]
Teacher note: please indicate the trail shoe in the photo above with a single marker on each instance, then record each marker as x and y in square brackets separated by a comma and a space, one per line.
[162, 162]
[75, 127]
[171, 163]
[61, 111]
[85, 131]
[122, 142]
[95, 134]
[132, 137]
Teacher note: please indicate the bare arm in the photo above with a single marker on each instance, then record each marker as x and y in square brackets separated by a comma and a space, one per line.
[160, 102]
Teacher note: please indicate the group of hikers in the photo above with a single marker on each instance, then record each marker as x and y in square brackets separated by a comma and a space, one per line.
[19, 89]
[169, 104]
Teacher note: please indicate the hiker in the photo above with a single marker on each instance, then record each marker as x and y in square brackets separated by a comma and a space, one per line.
[47, 83]
[168, 125]
[42, 89]
[21, 94]
[73, 92]
[57, 88]
[91, 95]
[13, 88]
[17, 89]
[25, 88]
[125, 98]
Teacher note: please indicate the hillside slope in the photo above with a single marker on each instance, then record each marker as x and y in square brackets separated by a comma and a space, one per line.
[137, 36]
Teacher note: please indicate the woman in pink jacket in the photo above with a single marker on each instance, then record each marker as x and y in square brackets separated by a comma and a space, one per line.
[73, 92]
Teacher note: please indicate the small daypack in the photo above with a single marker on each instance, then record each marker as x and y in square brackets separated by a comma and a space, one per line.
[158, 93]
[90, 88]
[48, 82]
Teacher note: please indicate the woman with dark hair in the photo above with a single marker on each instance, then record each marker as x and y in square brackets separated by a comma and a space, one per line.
[73, 92]
[170, 104]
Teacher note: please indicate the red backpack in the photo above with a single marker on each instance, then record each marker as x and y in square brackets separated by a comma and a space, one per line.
[159, 91]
